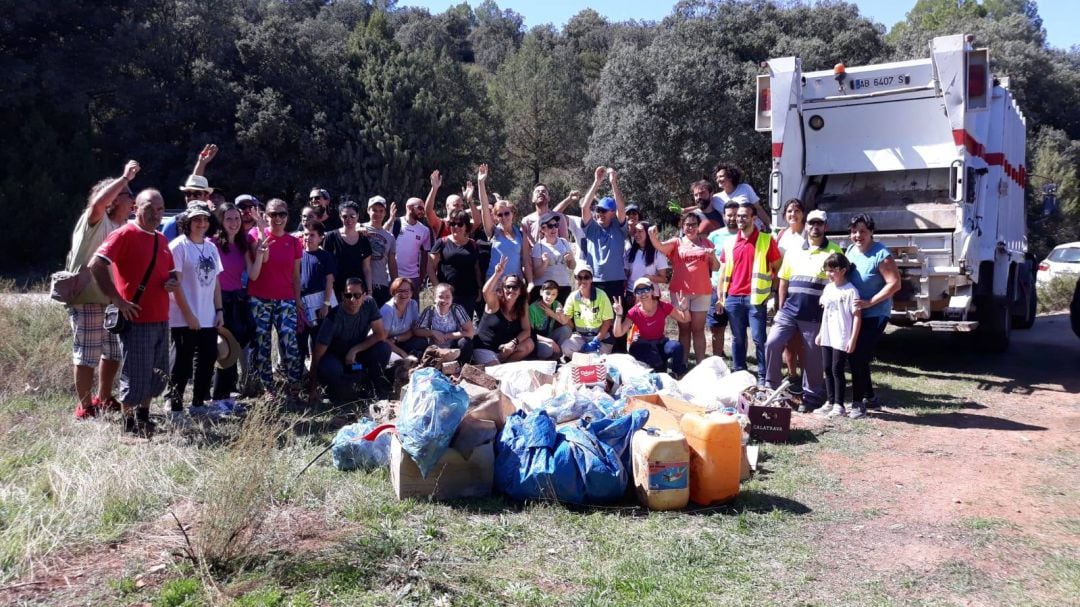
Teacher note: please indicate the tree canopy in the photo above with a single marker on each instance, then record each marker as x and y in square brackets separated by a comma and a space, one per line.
[363, 97]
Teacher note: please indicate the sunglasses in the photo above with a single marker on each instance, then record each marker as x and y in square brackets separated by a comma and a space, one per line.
[504, 213]
[691, 224]
[458, 224]
[278, 214]
[513, 287]
[816, 222]
[643, 291]
[551, 226]
[348, 296]
[349, 216]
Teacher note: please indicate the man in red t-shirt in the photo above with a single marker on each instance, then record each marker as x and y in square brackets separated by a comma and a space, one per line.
[745, 307]
[118, 267]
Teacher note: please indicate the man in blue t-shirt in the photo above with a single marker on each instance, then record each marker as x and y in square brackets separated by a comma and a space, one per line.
[605, 237]
[718, 321]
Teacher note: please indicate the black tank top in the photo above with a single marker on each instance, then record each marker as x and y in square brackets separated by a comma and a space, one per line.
[495, 330]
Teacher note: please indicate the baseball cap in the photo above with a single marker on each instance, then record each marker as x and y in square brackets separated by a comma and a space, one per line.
[633, 208]
[246, 199]
[376, 200]
[549, 216]
[607, 203]
[818, 215]
[643, 282]
[583, 268]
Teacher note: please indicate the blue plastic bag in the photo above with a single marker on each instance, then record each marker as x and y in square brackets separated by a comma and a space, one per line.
[580, 463]
[524, 466]
[431, 411]
[350, 451]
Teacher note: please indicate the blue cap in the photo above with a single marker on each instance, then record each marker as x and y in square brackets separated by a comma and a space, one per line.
[607, 203]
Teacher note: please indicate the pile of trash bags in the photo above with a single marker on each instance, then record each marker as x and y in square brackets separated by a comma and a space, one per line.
[554, 439]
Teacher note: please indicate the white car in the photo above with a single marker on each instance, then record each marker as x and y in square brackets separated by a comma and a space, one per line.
[1063, 260]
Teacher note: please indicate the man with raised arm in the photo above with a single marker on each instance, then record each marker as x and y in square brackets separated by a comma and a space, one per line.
[196, 188]
[440, 225]
[541, 199]
[110, 204]
[605, 237]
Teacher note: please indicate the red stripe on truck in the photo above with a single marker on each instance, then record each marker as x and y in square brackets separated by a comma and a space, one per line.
[777, 149]
[962, 138]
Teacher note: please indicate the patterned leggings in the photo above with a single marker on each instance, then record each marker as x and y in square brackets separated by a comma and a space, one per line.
[280, 314]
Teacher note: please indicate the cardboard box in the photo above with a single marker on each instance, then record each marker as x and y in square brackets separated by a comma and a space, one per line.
[664, 411]
[769, 424]
[452, 477]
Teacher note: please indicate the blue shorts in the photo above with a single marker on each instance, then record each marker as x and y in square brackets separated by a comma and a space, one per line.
[714, 320]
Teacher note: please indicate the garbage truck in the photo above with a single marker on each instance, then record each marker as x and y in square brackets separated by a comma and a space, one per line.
[933, 150]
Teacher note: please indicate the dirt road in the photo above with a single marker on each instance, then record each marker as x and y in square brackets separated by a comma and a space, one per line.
[971, 473]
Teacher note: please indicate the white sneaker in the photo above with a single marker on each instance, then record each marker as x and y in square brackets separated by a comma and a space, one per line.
[837, 411]
[179, 419]
[824, 410]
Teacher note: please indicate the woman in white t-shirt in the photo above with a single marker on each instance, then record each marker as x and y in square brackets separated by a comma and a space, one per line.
[791, 236]
[552, 258]
[194, 310]
[642, 258]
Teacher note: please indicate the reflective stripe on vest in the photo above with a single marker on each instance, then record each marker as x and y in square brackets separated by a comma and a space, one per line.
[760, 279]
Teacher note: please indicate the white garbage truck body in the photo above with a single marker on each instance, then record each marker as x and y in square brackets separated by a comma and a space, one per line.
[933, 150]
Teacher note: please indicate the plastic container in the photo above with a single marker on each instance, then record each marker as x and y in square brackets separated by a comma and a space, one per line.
[661, 462]
[715, 442]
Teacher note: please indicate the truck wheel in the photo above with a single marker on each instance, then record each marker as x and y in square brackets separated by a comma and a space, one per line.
[1028, 319]
[995, 324]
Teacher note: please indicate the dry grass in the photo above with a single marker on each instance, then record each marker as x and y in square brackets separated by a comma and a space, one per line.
[238, 492]
[35, 344]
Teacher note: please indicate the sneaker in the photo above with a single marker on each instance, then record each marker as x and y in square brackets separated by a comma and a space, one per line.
[857, 412]
[836, 411]
[803, 408]
[179, 419]
[824, 410]
[871, 403]
[88, 411]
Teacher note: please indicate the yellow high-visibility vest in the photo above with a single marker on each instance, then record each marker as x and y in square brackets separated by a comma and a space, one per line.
[761, 279]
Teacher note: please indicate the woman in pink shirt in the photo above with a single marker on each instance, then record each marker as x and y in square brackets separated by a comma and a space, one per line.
[692, 262]
[234, 251]
[274, 288]
[648, 315]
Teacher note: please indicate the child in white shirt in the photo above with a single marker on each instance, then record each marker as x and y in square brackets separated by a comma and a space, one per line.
[840, 323]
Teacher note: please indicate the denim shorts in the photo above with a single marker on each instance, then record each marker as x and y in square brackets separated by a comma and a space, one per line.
[713, 320]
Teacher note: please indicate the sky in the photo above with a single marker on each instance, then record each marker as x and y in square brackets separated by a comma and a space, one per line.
[1057, 15]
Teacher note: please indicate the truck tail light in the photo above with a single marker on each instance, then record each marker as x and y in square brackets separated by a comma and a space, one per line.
[978, 79]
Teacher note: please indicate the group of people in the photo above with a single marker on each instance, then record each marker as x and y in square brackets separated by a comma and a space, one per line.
[343, 296]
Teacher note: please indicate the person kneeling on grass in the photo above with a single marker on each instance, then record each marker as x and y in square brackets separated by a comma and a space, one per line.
[588, 311]
[351, 345]
[650, 346]
[544, 320]
[504, 334]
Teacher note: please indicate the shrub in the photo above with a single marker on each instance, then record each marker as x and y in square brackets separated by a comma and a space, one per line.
[1054, 296]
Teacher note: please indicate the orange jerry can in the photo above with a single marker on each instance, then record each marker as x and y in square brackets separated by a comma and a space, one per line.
[715, 442]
